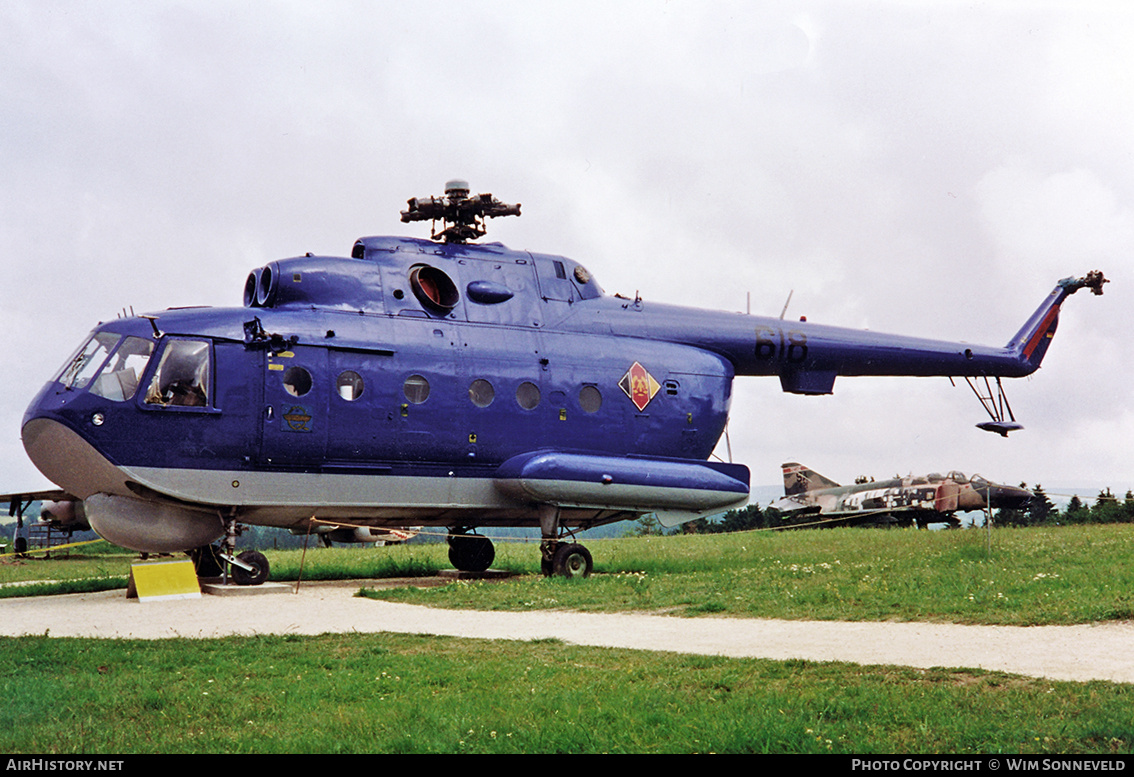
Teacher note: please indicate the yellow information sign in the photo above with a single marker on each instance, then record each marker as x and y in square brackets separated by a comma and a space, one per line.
[156, 581]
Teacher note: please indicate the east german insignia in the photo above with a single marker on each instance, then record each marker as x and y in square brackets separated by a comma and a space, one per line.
[296, 418]
[639, 385]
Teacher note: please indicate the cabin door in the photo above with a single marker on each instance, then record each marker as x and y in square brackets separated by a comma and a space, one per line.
[293, 413]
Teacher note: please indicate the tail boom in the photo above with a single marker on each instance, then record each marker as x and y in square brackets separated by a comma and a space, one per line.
[1030, 344]
[807, 357]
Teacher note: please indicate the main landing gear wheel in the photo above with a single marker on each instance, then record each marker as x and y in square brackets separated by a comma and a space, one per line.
[471, 552]
[563, 559]
[255, 576]
[572, 560]
[207, 561]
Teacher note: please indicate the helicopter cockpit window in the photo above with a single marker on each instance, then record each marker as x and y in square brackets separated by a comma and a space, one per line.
[958, 477]
[84, 365]
[182, 376]
[118, 381]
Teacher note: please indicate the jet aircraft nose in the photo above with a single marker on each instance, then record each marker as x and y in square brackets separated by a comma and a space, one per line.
[1011, 497]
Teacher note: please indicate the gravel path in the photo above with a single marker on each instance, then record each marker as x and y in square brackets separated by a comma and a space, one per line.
[1081, 653]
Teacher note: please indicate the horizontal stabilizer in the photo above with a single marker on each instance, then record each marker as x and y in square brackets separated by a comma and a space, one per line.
[794, 505]
[1000, 427]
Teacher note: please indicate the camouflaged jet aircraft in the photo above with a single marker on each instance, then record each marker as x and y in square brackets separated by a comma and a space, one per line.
[920, 499]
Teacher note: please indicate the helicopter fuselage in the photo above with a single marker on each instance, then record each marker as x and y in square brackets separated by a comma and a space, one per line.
[417, 383]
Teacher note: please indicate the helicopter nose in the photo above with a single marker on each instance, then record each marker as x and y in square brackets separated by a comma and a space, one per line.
[68, 460]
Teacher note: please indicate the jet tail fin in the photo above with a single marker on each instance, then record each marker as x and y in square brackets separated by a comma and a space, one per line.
[799, 479]
[1030, 344]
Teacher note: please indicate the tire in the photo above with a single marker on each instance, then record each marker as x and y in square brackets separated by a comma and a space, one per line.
[205, 561]
[258, 573]
[572, 561]
[471, 552]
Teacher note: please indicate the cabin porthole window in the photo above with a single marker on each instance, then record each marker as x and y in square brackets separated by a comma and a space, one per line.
[297, 381]
[527, 395]
[590, 399]
[481, 393]
[416, 389]
[350, 385]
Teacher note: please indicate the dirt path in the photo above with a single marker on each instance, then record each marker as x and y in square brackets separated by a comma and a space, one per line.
[1094, 652]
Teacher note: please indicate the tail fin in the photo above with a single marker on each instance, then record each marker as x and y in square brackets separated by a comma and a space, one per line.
[1030, 344]
[799, 479]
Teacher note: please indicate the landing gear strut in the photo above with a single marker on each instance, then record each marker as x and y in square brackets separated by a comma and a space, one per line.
[562, 559]
[250, 567]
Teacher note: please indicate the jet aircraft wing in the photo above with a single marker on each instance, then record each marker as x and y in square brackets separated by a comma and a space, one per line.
[47, 495]
[791, 505]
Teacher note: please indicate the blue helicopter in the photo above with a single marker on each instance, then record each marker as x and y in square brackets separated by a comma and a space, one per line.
[441, 383]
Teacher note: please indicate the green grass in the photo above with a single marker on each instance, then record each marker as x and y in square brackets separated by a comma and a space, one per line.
[398, 693]
[1032, 576]
[96, 566]
[1057, 575]
[418, 694]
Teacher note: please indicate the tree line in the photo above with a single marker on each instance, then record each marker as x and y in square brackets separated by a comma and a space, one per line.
[1106, 508]
[1042, 511]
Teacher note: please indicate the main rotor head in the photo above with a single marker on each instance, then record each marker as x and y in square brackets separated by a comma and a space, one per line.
[461, 216]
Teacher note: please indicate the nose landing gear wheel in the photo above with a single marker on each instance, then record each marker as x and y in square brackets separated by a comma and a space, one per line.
[572, 560]
[255, 576]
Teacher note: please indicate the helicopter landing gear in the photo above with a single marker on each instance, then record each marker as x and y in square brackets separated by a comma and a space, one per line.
[254, 570]
[571, 560]
[250, 567]
[470, 552]
[207, 561]
[558, 558]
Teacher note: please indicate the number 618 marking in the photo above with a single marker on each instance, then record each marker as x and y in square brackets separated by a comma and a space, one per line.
[774, 343]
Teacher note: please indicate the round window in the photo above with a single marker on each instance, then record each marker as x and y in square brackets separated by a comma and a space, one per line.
[297, 381]
[416, 389]
[350, 385]
[527, 395]
[590, 399]
[481, 393]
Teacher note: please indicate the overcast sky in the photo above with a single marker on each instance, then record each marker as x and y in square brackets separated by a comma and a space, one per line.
[923, 168]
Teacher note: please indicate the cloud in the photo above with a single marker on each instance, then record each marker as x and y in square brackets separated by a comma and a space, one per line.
[1045, 217]
[927, 169]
